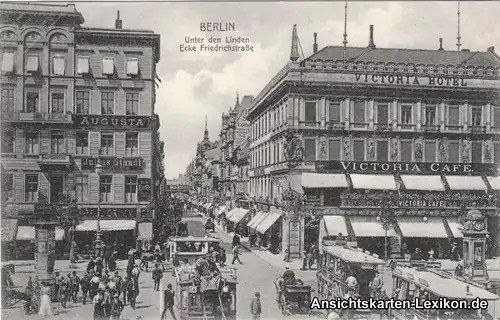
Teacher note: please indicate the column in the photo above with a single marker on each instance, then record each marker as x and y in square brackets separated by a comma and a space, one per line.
[45, 248]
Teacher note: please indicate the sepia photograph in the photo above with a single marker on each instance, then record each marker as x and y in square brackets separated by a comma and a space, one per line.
[224, 160]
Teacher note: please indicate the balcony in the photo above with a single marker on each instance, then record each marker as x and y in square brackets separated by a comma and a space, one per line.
[36, 117]
[431, 128]
[383, 127]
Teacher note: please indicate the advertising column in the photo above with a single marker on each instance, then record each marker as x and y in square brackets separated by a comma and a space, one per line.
[45, 234]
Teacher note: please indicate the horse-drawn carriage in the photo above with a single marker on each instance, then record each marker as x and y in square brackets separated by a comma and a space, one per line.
[294, 299]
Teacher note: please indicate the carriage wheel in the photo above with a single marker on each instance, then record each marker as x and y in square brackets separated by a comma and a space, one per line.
[283, 305]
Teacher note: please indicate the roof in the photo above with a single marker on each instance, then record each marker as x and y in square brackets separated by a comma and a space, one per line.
[246, 104]
[351, 255]
[442, 285]
[194, 239]
[415, 56]
[27, 8]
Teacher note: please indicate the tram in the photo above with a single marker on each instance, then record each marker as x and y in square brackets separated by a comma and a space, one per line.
[429, 284]
[206, 297]
[187, 250]
[340, 262]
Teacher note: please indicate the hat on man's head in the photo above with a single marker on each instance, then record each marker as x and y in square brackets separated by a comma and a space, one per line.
[257, 294]
[169, 286]
[287, 266]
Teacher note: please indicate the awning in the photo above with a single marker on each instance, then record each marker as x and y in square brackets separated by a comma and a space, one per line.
[319, 180]
[268, 221]
[233, 211]
[424, 183]
[238, 216]
[369, 226]
[494, 182]
[256, 219]
[416, 227]
[220, 210]
[106, 225]
[455, 226]
[466, 183]
[28, 233]
[335, 225]
[373, 181]
[8, 229]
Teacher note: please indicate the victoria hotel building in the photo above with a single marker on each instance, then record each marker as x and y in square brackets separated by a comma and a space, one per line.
[380, 141]
[72, 97]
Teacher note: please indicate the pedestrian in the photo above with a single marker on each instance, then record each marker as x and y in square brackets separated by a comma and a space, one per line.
[133, 291]
[63, 291]
[99, 306]
[166, 250]
[91, 264]
[157, 275]
[99, 267]
[144, 261]
[112, 262]
[57, 284]
[116, 307]
[305, 261]
[94, 285]
[45, 304]
[85, 285]
[124, 288]
[168, 302]
[119, 282]
[75, 286]
[236, 240]
[29, 292]
[256, 307]
[236, 254]
[136, 272]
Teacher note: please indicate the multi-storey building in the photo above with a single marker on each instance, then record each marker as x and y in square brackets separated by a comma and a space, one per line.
[372, 134]
[199, 170]
[73, 97]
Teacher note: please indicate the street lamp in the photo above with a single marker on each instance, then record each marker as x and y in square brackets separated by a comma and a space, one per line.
[386, 218]
[98, 170]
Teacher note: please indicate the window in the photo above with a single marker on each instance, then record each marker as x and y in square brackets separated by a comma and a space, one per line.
[430, 115]
[57, 102]
[58, 64]
[334, 111]
[440, 69]
[82, 102]
[83, 65]
[82, 143]
[107, 103]
[8, 138]
[406, 113]
[108, 65]
[57, 142]
[32, 101]
[453, 151]
[32, 143]
[496, 117]
[359, 150]
[82, 187]
[359, 111]
[8, 62]
[310, 111]
[132, 104]
[105, 183]
[453, 115]
[133, 66]
[476, 116]
[430, 151]
[7, 187]
[131, 144]
[450, 70]
[8, 99]
[383, 113]
[107, 143]
[477, 152]
[406, 151]
[130, 189]
[496, 152]
[420, 69]
[32, 63]
[334, 150]
[382, 151]
[31, 188]
[310, 149]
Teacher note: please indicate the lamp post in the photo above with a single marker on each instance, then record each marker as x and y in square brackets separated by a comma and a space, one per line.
[386, 218]
[98, 170]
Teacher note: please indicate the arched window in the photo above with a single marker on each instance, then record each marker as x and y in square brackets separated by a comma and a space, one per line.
[401, 68]
[420, 68]
[410, 68]
[390, 67]
[370, 66]
[440, 69]
[450, 70]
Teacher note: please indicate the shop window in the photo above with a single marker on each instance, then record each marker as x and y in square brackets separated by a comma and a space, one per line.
[130, 189]
[82, 143]
[82, 102]
[31, 188]
[105, 188]
[82, 188]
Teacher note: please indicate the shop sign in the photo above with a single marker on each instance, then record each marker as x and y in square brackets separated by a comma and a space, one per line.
[423, 203]
[313, 224]
[110, 213]
[89, 163]
[112, 121]
[294, 236]
[406, 167]
[143, 189]
[146, 213]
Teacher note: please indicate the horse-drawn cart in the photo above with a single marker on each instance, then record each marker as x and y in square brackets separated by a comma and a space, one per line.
[295, 299]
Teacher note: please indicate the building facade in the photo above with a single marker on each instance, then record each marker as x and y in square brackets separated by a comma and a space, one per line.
[360, 136]
[73, 97]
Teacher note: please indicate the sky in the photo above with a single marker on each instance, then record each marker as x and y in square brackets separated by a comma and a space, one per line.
[199, 84]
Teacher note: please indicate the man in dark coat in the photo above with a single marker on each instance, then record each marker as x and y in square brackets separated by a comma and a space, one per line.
[124, 288]
[85, 285]
[116, 307]
[157, 275]
[256, 307]
[236, 240]
[91, 265]
[168, 302]
[98, 267]
[75, 286]
[133, 291]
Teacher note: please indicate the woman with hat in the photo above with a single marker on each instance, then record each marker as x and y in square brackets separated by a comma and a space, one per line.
[99, 306]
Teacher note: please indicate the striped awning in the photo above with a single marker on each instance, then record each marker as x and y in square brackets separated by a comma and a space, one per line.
[268, 221]
[466, 183]
[256, 219]
[233, 211]
[28, 233]
[238, 216]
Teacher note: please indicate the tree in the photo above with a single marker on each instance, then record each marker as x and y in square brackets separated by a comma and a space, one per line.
[68, 217]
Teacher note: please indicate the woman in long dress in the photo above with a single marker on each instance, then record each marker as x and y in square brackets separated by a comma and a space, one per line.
[45, 305]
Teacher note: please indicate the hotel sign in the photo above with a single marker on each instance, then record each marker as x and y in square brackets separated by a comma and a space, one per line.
[112, 121]
[89, 163]
[411, 80]
[406, 167]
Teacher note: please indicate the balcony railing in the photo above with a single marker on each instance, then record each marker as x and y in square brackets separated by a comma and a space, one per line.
[36, 117]
[431, 128]
[335, 125]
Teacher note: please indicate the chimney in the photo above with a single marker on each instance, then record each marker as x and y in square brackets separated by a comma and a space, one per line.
[294, 53]
[491, 49]
[118, 21]
[440, 44]
[371, 44]
[315, 45]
